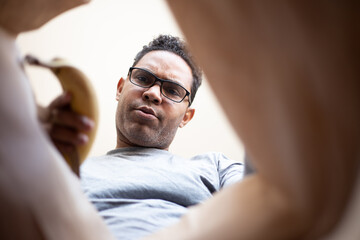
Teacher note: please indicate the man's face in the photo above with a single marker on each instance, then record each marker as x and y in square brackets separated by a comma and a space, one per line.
[144, 117]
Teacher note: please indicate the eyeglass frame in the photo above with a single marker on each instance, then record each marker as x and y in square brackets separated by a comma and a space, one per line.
[157, 79]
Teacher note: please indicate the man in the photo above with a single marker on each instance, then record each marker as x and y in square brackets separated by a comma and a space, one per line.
[140, 187]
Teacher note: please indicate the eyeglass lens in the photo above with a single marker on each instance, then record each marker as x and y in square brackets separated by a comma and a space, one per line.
[169, 89]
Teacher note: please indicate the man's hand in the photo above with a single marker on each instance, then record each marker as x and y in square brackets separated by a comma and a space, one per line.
[64, 127]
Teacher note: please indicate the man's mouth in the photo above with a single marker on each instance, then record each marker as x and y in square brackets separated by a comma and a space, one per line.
[147, 111]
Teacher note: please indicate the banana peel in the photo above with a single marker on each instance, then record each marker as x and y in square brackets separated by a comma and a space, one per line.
[83, 102]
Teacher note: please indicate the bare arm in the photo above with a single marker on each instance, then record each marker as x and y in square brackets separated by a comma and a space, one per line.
[40, 197]
[38, 191]
[286, 75]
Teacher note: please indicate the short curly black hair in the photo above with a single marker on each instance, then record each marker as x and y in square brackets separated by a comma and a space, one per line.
[177, 46]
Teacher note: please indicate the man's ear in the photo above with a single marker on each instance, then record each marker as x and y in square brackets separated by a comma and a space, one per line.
[120, 86]
[189, 114]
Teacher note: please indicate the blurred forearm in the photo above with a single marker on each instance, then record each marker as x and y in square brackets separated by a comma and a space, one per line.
[286, 74]
[39, 195]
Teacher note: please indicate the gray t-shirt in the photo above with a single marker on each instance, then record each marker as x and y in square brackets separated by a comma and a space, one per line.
[140, 190]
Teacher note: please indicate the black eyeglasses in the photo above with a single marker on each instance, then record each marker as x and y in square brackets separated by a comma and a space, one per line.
[170, 89]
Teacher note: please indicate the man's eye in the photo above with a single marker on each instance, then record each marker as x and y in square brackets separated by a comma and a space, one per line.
[143, 80]
[173, 91]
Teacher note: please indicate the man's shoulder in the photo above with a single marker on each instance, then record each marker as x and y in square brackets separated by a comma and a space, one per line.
[218, 159]
[212, 156]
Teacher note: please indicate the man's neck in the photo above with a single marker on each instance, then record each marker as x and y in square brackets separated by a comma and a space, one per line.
[126, 144]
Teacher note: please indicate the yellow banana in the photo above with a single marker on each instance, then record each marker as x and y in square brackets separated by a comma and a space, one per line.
[83, 100]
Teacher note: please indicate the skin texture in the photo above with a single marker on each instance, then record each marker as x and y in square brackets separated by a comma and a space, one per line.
[135, 127]
[18, 16]
[40, 197]
[289, 85]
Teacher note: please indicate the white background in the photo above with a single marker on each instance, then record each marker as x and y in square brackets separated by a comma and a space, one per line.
[102, 38]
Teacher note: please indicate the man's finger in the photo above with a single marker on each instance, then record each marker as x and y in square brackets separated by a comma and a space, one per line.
[69, 136]
[61, 101]
[70, 119]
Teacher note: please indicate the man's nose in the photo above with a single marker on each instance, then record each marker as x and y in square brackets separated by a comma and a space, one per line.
[153, 94]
